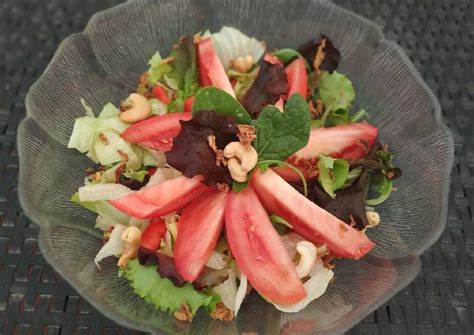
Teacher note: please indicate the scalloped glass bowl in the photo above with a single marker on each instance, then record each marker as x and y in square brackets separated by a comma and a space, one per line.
[103, 63]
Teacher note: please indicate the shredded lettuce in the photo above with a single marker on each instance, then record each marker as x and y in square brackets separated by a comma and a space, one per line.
[96, 192]
[231, 43]
[157, 107]
[90, 205]
[157, 68]
[232, 296]
[314, 287]
[114, 245]
[137, 175]
[161, 292]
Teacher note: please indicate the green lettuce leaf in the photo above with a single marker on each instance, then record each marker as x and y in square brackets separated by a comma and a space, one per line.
[335, 91]
[333, 174]
[90, 205]
[380, 185]
[137, 175]
[157, 69]
[286, 55]
[279, 135]
[162, 293]
[244, 81]
[216, 100]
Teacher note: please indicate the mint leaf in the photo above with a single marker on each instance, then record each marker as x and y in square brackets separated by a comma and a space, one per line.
[216, 100]
[287, 55]
[161, 292]
[333, 174]
[335, 90]
[279, 135]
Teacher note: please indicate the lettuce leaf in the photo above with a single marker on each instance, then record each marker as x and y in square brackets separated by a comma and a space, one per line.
[90, 205]
[333, 174]
[335, 91]
[161, 292]
[157, 68]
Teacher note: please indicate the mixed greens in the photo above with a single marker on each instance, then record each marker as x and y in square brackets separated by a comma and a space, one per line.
[233, 168]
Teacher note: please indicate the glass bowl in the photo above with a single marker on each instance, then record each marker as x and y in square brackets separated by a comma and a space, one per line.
[103, 63]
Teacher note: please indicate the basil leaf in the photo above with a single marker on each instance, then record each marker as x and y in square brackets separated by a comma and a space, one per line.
[335, 90]
[333, 174]
[286, 55]
[216, 100]
[279, 135]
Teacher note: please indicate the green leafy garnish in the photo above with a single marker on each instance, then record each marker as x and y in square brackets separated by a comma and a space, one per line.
[360, 115]
[279, 135]
[287, 54]
[280, 224]
[216, 100]
[90, 205]
[333, 174]
[335, 91]
[244, 81]
[239, 187]
[137, 175]
[265, 164]
[157, 68]
[162, 293]
[381, 185]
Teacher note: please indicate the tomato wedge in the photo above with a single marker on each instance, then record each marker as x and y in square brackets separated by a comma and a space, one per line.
[259, 251]
[297, 78]
[156, 132]
[198, 230]
[160, 93]
[350, 141]
[308, 219]
[161, 199]
[188, 104]
[151, 236]
[211, 71]
[290, 175]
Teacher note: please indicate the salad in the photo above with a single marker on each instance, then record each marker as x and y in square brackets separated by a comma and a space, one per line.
[234, 168]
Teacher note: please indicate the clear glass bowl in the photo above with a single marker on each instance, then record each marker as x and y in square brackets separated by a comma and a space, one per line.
[102, 64]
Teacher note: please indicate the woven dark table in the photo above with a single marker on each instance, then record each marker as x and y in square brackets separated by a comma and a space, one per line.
[439, 38]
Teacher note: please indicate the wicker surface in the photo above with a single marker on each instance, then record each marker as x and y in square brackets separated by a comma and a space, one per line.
[439, 38]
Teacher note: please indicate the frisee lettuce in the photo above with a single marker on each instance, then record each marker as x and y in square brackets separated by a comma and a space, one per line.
[162, 293]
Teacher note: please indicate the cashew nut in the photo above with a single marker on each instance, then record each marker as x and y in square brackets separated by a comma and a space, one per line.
[137, 108]
[243, 63]
[373, 217]
[131, 238]
[247, 157]
[236, 171]
[308, 254]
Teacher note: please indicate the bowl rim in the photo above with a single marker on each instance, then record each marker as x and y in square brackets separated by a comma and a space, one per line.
[131, 323]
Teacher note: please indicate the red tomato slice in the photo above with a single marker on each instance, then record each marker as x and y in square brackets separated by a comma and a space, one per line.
[156, 132]
[160, 93]
[308, 219]
[161, 199]
[152, 235]
[350, 141]
[297, 78]
[211, 71]
[259, 251]
[272, 59]
[188, 104]
[199, 228]
[290, 175]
